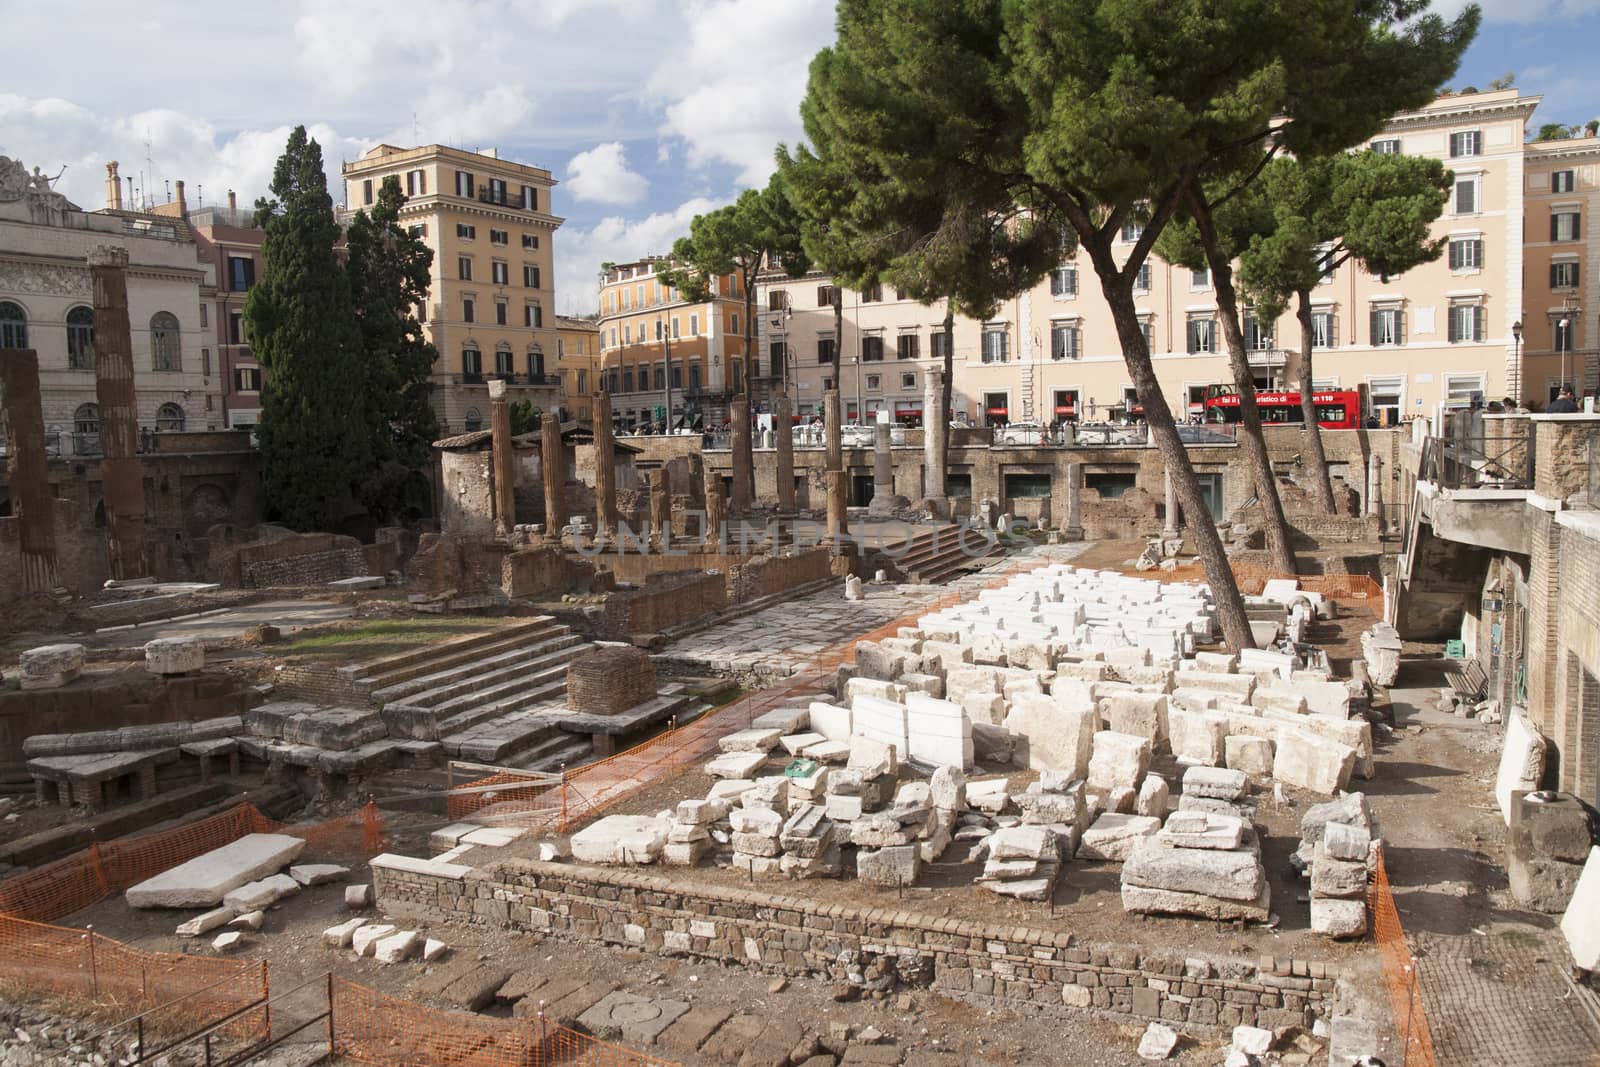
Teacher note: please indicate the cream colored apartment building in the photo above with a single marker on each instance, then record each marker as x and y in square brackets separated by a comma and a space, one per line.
[1420, 343]
[491, 307]
[650, 337]
[577, 363]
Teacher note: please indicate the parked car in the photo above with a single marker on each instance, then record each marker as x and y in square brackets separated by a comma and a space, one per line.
[856, 435]
[1021, 433]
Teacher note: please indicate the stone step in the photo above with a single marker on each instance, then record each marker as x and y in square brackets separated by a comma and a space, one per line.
[425, 690]
[551, 690]
[504, 738]
[403, 666]
[494, 686]
[567, 750]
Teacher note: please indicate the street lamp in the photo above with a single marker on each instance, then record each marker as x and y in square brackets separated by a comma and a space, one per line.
[1516, 362]
[665, 329]
[1564, 339]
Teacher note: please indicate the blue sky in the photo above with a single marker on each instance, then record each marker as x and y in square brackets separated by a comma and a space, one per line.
[647, 111]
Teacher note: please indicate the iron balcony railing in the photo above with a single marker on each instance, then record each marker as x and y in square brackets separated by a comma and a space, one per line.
[1500, 462]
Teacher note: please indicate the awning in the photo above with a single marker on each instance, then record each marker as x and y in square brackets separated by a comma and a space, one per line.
[907, 411]
[1065, 409]
[999, 411]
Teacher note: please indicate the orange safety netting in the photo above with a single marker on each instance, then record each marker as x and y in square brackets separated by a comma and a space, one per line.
[75, 882]
[1400, 974]
[1358, 590]
[369, 1027]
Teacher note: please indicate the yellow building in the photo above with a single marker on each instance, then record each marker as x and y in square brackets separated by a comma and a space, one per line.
[577, 363]
[491, 307]
[644, 321]
[1561, 277]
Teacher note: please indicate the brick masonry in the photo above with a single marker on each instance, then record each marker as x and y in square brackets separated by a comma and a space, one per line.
[789, 935]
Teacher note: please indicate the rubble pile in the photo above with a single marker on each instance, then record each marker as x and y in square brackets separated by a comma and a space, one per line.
[1338, 850]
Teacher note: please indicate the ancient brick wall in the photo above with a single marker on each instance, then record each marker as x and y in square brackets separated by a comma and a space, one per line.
[796, 936]
[665, 602]
[769, 575]
[301, 559]
[608, 681]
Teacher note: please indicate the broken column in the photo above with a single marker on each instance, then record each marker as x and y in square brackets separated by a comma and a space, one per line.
[27, 468]
[935, 431]
[1375, 487]
[832, 439]
[882, 470]
[504, 466]
[1072, 529]
[605, 467]
[122, 473]
[838, 500]
[1169, 527]
[783, 423]
[555, 474]
[742, 460]
[661, 506]
[715, 508]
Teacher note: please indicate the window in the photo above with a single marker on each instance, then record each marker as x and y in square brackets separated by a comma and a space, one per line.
[939, 344]
[1565, 225]
[676, 371]
[205, 362]
[733, 286]
[241, 274]
[1466, 143]
[874, 382]
[1322, 329]
[1564, 274]
[825, 296]
[775, 352]
[908, 381]
[86, 419]
[366, 191]
[1257, 337]
[1144, 331]
[471, 364]
[416, 182]
[675, 333]
[1202, 334]
[1466, 253]
[1027, 485]
[627, 299]
[694, 377]
[1141, 280]
[170, 418]
[1064, 340]
[826, 349]
[1132, 231]
[499, 237]
[583, 380]
[530, 240]
[472, 421]
[500, 312]
[504, 364]
[1325, 261]
[1563, 181]
[1561, 331]
[694, 325]
[464, 268]
[1387, 146]
[640, 295]
[530, 202]
[627, 379]
[80, 338]
[247, 379]
[497, 191]
[465, 231]
[236, 327]
[872, 294]
[906, 346]
[1385, 396]
[418, 230]
[627, 335]
[13, 325]
[872, 348]
[1064, 281]
[166, 352]
[1466, 196]
[995, 343]
[1200, 278]
[1466, 322]
[500, 272]
[469, 309]
[1462, 388]
[733, 323]
[464, 184]
[777, 300]
[1388, 326]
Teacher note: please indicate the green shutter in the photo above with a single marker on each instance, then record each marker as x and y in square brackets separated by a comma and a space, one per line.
[1372, 327]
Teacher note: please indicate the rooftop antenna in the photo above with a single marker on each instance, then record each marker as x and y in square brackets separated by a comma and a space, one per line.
[150, 169]
[200, 195]
[416, 138]
[167, 182]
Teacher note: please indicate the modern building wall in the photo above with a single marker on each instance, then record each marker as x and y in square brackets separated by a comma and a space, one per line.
[577, 363]
[491, 307]
[229, 247]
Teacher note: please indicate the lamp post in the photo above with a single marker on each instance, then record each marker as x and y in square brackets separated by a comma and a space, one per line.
[1564, 339]
[1516, 362]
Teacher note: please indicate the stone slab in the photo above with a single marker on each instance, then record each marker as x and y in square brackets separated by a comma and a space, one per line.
[1114, 836]
[735, 764]
[318, 873]
[1147, 901]
[1580, 924]
[206, 879]
[261, 894]
[1236, 876]
[1522, 756]
[640, 1020]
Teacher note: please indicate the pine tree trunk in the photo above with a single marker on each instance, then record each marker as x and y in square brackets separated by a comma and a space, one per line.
[1251, 440]
[1164, 432]
[949, 378]
[1308, 409]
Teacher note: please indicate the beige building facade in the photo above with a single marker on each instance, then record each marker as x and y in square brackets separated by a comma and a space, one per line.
[1420, 344]
[491, 307]
[577, 363]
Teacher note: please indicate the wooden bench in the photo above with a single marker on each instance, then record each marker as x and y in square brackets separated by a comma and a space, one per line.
[1470, 683]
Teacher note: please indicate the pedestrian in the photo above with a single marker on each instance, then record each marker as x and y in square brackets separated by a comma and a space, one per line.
[1562, 404]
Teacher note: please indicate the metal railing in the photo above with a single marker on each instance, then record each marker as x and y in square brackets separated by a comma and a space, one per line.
[1499, 462]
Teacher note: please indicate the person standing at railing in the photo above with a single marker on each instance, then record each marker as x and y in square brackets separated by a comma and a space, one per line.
[1563, 404]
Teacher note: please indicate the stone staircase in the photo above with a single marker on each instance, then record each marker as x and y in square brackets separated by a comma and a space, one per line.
[934, 556]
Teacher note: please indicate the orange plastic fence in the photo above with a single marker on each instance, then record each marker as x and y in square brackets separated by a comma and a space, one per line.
[369, 1027]
[1357, 590]
[1400, 974]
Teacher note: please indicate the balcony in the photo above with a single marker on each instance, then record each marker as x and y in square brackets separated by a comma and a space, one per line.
[1471, 490]
[531, 381]
[1268, 358]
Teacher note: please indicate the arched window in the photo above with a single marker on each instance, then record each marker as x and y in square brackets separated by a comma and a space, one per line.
[504, 367]
[472, 364]
[535, 364]
[86, 419]
[166, 351]
[169, 417]
[13, 325]
[474, 420]
[80, 338]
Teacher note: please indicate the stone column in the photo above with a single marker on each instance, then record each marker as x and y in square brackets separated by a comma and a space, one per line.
[715, 509]
[830, 431]
[935, 431]
[605, 467]
[1073, 531]
[122, 473]
[838, 500]
[554, 471]
[742, 472]
[1169, 528]
[783, 427]
[661, 506]
[1375, 488]
[27, 468]
[882, 470]
[504, 463]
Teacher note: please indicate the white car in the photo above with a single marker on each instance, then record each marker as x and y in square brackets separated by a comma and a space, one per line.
[1021, 433]
[857, 436]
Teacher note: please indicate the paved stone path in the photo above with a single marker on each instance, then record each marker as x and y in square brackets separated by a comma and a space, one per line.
[287, 615]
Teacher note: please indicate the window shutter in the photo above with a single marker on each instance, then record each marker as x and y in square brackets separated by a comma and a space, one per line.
[1399, 327]
[1453, 332]
[1455, 255]
[1555, 275]
[1555, 221]
[1374, 329]
[1479, 323]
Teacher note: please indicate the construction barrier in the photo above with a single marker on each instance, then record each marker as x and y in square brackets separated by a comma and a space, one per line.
[1356, 591]
[1400, 973]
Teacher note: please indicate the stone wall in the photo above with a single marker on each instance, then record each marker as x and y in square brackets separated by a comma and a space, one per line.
[302, 559]
[770, 575]
[796, 936]
[666, 601]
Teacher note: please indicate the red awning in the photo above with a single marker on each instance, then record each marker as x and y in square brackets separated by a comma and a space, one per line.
[907, 411]
[999, 411]
[1065, 409]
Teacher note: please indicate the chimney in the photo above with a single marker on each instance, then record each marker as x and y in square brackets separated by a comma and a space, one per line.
[233, 201]
[113, 188]
[183, 205]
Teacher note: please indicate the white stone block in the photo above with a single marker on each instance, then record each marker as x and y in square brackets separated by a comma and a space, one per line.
[1113, 836]
[1252, 755]
[1310, 762]
[201, 924]
[365, 938]
[397, 947]
[761, 741]
[1118, 760]
[357, 896]
[735, 764]
[261, 894]
[340, 936]
[1054, 737]
[318, 873]
[1153, 797]
[50, 666]
[1580, 924]
[231, 941]
[1522, 756]
[174, 655]
[831, 721]
[432, 949]
[620, 839]
[206, 879]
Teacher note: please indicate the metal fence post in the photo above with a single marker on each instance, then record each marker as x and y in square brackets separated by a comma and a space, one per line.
[94, 970]
[332, 1043]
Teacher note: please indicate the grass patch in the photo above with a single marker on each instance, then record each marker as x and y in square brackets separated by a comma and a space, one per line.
[1522, 939]
[384, 636]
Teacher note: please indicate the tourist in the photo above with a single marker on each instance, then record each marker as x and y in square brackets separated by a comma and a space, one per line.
[1562, 404]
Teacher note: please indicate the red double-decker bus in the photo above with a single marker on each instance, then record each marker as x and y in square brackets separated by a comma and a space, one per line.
[1337, 409]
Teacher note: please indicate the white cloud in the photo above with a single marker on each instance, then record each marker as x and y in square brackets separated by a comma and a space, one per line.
[601, 175]
[580, 252]
[1522, 10]
[732, 111]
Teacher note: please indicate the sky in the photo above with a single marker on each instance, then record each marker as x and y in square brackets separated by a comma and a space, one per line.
[648, 112]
